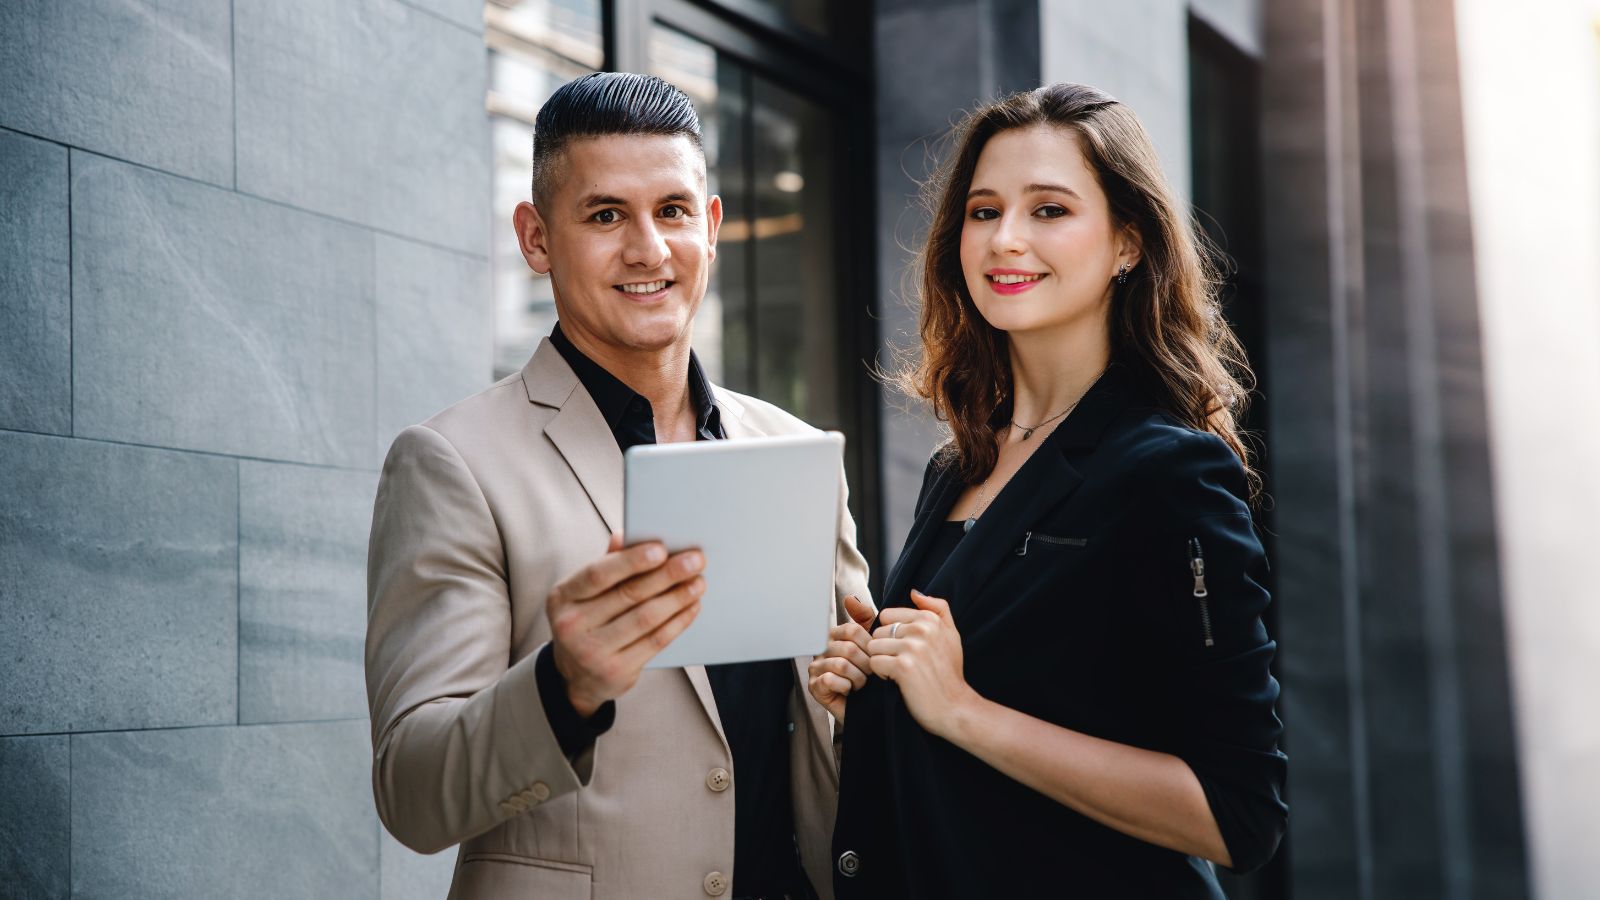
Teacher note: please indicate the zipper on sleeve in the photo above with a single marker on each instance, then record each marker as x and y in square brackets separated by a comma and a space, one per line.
[1197, 568]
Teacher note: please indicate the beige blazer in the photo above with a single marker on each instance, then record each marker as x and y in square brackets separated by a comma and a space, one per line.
[480, 511]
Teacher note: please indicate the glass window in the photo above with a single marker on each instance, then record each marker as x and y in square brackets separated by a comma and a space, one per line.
[535, 46]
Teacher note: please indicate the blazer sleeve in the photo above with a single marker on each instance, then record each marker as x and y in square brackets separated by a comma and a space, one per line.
[1220, 696]
[849, 566]
[460, 737]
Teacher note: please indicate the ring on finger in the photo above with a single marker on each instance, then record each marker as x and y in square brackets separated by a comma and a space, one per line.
[894, 632]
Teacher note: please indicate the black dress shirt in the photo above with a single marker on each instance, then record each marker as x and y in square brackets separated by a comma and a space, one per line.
[752, 698]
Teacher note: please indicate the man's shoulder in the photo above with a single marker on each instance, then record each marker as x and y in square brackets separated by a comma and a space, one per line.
[484, 410]
[759, 414]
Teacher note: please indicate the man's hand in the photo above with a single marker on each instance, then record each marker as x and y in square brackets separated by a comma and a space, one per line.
[844, 666]
[614, 614]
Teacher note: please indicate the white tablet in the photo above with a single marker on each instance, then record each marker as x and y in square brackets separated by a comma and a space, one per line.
[765, 512]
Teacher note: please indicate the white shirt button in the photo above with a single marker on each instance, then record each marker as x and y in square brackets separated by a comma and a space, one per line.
[716, 884]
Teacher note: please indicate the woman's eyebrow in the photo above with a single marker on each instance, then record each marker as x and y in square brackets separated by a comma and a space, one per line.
[1035, 188]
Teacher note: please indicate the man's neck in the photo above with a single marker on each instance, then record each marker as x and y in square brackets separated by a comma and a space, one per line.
[659, 376]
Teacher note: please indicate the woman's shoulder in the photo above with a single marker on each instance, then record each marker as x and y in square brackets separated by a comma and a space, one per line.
[1155, 449]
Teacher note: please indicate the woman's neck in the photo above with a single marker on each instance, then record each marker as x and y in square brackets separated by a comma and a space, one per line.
[1050, 372]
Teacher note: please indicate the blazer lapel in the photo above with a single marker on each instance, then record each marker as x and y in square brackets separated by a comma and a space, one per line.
[580, 433]
[1044, 482]
[577, 430]
[941, 496]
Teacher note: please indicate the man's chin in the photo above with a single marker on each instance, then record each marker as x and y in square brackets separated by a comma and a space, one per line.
[655, 335]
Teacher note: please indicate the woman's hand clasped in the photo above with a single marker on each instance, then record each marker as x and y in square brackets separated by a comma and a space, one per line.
[920, 650]
[844, 666]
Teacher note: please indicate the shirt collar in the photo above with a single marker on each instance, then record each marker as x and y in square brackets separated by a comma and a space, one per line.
[627, 412]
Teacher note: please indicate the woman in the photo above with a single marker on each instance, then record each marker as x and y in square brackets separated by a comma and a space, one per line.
[1072, 694]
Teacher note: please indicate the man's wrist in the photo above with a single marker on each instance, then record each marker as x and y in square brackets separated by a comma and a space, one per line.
[575, 727]
[581, 704]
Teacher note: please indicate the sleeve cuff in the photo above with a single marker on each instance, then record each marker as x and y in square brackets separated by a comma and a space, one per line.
[573, 732]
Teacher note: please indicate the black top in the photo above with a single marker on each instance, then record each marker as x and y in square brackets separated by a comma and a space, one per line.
[1075, 599]
[752, 698]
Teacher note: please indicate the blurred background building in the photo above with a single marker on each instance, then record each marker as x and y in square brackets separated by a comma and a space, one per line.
[244, 242]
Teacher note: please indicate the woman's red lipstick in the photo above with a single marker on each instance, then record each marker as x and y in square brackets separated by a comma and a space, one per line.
[1014, 286]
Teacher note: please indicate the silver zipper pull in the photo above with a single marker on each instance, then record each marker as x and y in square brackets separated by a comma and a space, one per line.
[1197, 566]
[1023, 550]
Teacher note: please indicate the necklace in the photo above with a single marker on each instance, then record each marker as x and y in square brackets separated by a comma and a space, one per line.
[983, 503]
[1027, 432]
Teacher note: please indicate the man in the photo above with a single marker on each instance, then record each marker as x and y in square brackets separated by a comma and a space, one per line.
[506, 637]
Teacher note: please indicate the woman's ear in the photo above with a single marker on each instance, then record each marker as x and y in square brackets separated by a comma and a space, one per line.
[1130, 247]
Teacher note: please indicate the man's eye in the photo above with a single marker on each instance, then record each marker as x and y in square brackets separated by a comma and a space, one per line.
[606, 216]
[985, 213]
[673, 212]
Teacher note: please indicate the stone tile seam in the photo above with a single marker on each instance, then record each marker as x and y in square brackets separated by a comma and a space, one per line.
[233, 86]
[467, 254]
[69, 815]
[433, 14]
[161, 728]
[369, 470]
[72, 306]
[238, 592]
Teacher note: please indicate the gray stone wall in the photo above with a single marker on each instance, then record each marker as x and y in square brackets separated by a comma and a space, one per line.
[242, 244]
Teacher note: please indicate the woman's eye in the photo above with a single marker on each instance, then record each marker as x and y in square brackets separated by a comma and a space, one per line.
[985, 213]
[606, 216]
[1050, 211]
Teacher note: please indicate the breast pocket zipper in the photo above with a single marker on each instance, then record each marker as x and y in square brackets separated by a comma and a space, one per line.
[1197, 568]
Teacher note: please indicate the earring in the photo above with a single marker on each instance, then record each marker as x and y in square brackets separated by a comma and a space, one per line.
[1122, 274]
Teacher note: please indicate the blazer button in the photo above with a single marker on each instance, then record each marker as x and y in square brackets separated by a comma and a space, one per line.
[718, 779]
[849, 864]
[540, 791]
[716, 884]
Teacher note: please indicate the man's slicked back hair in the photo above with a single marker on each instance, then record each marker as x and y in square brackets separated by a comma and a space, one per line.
[607, 103]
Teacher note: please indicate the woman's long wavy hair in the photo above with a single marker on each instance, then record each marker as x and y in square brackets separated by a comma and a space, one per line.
[1166, 322]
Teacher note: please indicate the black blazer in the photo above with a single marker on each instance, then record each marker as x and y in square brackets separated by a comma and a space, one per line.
[1075, 598]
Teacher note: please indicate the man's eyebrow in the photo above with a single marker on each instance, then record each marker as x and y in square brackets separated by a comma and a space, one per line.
[1035, 188]
[594, 200]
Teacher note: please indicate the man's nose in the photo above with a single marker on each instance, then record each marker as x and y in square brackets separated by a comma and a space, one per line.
[645, 246]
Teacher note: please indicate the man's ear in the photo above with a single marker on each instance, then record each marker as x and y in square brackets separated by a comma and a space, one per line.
[713, 223]
[532, 236]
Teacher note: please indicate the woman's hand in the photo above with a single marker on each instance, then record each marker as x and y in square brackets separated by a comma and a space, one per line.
[920, 650]
[843, 667]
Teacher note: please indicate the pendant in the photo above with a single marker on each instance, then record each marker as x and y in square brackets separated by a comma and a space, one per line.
[967, 525]
[1027, 433]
